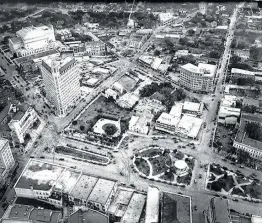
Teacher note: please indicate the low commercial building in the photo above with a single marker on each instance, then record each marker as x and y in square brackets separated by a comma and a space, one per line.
[141, 123]
[243, 141]
[152, 205]
[189, 126]
[197, 78]
[48, 182]
[228, 115]
[134, 209]
[119, 204]
[7, 161]
[167, 18]
[82, 189]
[102, 194]
[175, 208]
[240, 73]
[218, 211]
[167, 123]
[193, 108]
[176, 110]
[22, 121]
[20, 213]
[111, 93]
[229, 101]
[243, 54]
[89, 216]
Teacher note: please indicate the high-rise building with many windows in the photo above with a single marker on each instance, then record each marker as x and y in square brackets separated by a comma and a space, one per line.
[6, 158]
[61, 83]
[197, 78]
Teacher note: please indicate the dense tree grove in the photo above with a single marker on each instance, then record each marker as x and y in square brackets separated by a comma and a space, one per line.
[254, 130]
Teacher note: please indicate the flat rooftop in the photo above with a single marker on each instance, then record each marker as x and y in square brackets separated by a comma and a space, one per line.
[67, 181]
[134, 209]
[175, 208]
[39, 175]
[90, 216]
[102, 191]
[207, 70]
[192, 106]
[220, 210]
[83, 187]
[121, 198]
[241, 71]
[2, 143]
[28, 212]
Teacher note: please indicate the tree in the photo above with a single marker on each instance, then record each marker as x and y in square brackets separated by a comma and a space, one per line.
[74, 122]
[255, 53]
[191, 32]
[216, 186]
[110, 129]
[82, 128]
[235, 59]
[156, 53]
[254, 131]
[183, 41]
[214, 54]
[243, 156]
[180, 94]
[249, 108]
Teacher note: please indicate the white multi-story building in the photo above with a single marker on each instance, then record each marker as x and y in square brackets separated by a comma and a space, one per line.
[243, 141]
[61, 82]
[237, 73]
[193, 108]
[6, 158]
[197, 78]
[31, 40]
[228, 115]
[167, 123]
[203, 7]
[21, 123]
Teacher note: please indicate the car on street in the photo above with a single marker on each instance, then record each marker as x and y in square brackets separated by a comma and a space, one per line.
[121, 173]
[241, 166]
[225, 197]
[32, 157]
[234, 199]
[195, 208]
[195, 181]
[41, 157]
[61, 159]
[200, 176]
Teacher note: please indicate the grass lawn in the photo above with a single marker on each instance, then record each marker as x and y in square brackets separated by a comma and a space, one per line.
[255, 191]
[237, 191]
[128, 82]
[83, 155]
[105, 108]
[151, 152]
[167, 177]
[227, 183]
[142, 166]
[241, 180]
[159, 164]
[184, 179]
[216, 170]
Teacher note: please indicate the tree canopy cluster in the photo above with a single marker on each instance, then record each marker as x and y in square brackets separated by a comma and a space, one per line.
[254, 130]
[166, 90]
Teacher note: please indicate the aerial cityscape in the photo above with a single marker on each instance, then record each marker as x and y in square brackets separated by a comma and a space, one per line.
[130, 112]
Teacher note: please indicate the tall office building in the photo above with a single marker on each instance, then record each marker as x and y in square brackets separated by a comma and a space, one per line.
[6, 157]
[203, 7]
[61, 83]
[197, 78]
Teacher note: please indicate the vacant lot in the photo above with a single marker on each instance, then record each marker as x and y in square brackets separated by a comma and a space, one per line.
[84, 155]
[101, 108]
[128, 82]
